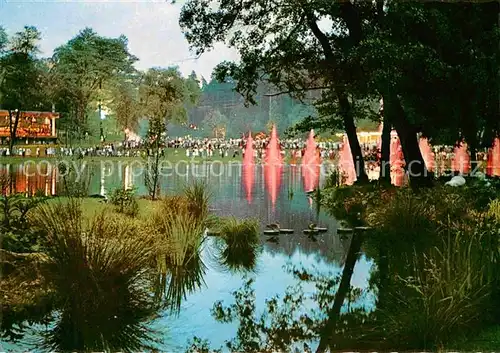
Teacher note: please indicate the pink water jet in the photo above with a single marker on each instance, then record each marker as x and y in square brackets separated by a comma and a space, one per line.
[493, 166]
[461, 161]
[249, 151]
[311, 164]
[249, 168]
[396, 161]
[273, 164]
[346, 164]
[273, 152]
[427, 154]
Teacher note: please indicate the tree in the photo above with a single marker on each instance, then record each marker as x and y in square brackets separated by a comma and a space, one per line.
[282, 44]
[451, 90]
[215, 122]
[87, 63]
[20, 85]
[163, 94]
[124, 102]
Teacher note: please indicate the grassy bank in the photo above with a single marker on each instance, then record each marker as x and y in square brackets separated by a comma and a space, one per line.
[127, 260]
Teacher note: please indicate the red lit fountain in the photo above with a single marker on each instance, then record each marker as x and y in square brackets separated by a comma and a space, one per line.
[248, 168]
[273, 164]
[311, 164]
[493, 167]
[397, 161]
[346, 164]
[461, 161]
[427, 154]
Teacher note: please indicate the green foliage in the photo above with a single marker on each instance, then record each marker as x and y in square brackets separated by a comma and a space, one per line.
[197, 198]
[162, 94]
[494, 210]
[82, 66]
[124, 102]
[17, 235]
[99, 272]
[240, 243]
[447, 291]
[178, 235]
[152, 169]
[125, 201]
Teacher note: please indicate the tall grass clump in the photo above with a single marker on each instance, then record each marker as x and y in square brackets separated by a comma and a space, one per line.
[99, 270]
[445, 298]
[239, 243]
[178, 238]
[197, 197]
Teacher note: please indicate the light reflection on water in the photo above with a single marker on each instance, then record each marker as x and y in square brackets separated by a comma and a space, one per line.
[235, 193]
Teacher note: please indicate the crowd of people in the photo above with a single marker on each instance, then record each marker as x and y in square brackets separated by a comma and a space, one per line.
[210, 147]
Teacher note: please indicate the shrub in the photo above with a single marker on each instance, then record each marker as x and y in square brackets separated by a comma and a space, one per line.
[178, 237]
[125, 201]
[100, 272]
[16, 233]
[445, 296]
[240, 243]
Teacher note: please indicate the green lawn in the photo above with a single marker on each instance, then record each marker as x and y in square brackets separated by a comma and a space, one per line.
[93, 206]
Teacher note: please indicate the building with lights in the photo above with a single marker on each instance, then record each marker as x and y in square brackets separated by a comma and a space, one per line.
[33, 127]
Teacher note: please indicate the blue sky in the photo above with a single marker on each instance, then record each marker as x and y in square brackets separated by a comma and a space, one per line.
[151, 27]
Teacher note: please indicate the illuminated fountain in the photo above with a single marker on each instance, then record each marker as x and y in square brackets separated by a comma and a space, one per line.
[493, 167]
[396, 161]
[427, 154]
[346, 164]
[248, 168]
[311, 164]
[273, 165]
[461, 161]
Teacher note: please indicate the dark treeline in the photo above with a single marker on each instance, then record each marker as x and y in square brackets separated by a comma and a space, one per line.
[434, 64]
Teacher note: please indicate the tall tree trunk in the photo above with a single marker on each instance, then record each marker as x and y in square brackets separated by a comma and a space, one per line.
[473, 156]
[350, 129]
[344, 104]
[13, 129]
[385, 152]
[344, 287]
[415, 164]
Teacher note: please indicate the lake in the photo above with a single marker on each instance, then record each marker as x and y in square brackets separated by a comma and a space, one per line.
[269, 195]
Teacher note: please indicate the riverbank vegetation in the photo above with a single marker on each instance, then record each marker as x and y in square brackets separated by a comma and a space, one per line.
[436, 280]
[100, 275]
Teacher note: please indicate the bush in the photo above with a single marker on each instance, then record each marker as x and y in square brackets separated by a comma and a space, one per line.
[445, 295]
[125, 201]
[100, 273]
[15, 230]
[240, 243]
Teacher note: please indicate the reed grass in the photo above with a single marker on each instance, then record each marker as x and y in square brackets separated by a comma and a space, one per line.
[444, 257]
[239, 244]
[178, 227]
[99, 270]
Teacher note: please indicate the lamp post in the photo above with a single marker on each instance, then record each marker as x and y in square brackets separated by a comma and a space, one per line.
[100, 116]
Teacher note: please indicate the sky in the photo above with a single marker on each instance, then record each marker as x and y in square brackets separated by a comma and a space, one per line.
[151, 27]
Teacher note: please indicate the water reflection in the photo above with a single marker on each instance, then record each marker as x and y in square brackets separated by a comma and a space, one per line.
[29, 178]
[190, 283]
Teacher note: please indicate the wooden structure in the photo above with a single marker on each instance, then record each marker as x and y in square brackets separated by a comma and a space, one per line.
[33, 126]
